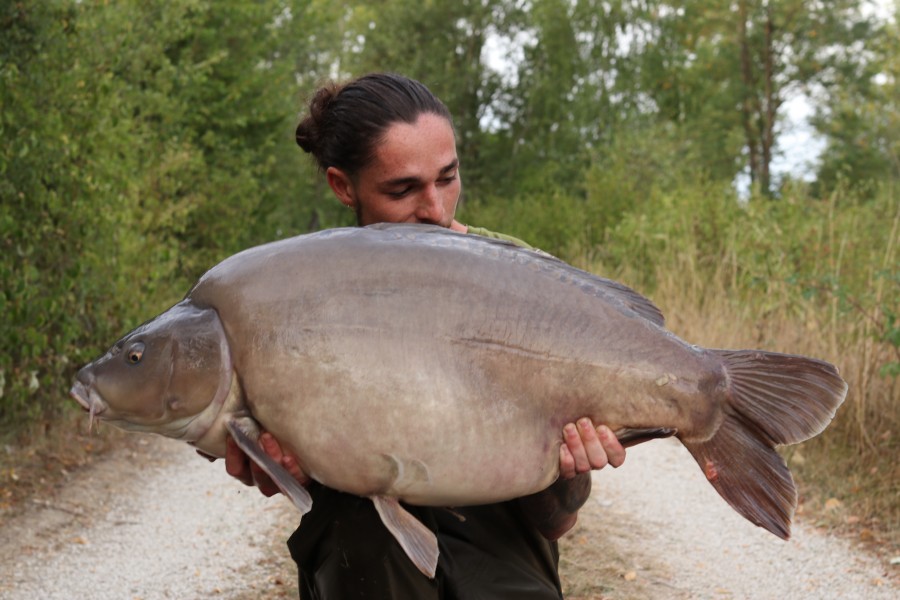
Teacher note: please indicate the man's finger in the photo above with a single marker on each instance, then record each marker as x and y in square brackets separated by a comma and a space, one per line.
[595, 450]
[271, 446]
[293, 467]
[265, 484]
[262, 480]
[576, 447]
[566, 463]
[614, 451]
[236, 462]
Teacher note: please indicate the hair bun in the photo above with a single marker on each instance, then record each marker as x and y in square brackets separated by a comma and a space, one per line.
[310, 130]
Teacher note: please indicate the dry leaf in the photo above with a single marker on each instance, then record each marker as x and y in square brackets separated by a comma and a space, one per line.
[832, 504]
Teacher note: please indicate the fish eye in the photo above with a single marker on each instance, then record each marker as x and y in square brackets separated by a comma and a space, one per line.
[136, 353]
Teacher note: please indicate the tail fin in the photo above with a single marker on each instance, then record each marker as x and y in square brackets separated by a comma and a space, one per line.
[773, 399]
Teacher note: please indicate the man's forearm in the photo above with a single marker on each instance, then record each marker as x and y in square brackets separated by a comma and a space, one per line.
[554, 511]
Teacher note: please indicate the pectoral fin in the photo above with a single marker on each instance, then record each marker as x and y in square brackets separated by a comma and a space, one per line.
[419, 542]
[245, 432]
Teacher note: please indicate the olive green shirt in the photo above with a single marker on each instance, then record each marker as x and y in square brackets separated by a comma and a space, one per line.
[499, 236]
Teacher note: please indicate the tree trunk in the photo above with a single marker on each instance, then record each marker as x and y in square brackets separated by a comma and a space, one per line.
[749, 102]
[767, 136]
[759, 107]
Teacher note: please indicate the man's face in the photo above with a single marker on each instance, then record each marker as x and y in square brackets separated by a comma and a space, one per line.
[413, 178]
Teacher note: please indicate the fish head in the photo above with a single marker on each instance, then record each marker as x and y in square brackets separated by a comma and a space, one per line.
[168, 376]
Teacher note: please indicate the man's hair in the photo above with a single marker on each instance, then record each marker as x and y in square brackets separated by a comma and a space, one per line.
[346, 122]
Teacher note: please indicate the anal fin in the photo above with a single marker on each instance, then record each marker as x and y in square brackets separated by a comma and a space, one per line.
[629, 436]
[419, 542]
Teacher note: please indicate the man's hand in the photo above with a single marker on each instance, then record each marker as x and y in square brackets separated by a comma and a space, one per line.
[554, 511]
[239, 466]
[587, 448]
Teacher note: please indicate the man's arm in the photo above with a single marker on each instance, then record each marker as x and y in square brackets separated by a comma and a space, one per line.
[554, 511]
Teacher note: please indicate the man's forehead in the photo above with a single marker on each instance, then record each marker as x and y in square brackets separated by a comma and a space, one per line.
[422, 149]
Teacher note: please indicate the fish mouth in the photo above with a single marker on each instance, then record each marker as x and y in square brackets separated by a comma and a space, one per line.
[89, 400]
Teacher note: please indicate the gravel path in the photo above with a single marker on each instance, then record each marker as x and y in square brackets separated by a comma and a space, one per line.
[679, 539]
[157, 523]
[162, 523]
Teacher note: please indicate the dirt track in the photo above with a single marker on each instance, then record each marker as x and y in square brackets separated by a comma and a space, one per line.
[163, 523]
[156, 523]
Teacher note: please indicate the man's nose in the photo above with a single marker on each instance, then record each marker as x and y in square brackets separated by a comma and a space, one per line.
[430, 208]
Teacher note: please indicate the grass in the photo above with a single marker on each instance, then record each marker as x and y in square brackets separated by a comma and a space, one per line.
[819, 279]
[848, 474]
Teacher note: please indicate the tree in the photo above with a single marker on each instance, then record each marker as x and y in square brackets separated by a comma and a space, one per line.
[860, 116]
[787, 47]
[140, 145]
[211, 97]
[722, 70]
[61, 131]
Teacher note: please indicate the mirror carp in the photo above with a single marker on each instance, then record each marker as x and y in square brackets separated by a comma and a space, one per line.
[412, 363]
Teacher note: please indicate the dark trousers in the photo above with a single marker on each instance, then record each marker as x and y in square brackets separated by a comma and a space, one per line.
[342, 550]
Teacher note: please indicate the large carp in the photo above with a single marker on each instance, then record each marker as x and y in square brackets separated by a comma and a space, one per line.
[405, 362]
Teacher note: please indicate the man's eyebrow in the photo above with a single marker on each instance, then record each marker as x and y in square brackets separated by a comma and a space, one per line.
[453, 164]
[411, 180]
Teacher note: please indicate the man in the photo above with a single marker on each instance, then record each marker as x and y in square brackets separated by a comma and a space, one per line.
[387, 148]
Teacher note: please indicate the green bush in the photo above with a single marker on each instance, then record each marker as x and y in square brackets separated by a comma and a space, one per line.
[138, 141]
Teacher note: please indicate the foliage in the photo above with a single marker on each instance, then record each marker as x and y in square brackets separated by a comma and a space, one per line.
[137, 138]
[861, 118]
[441, 44]
[53, 182]
[806, 275]
[143, 141]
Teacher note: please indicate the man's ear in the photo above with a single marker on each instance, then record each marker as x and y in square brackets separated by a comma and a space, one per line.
[341, 185]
